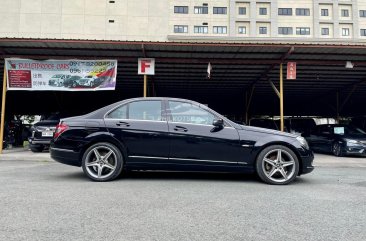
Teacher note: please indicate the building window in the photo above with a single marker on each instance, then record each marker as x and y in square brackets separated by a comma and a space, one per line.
[262, 30]
[180, 28]
[345, 31]
[262, 11]
[200, 29]
[325, 31]
[285, 11]
[363, 13]
[363, 32]
[242, 30]
[302, 31]
[302, 11]
[219, 29]
[217, 10]
[181, 9]
[242, 11]
[344, 13]
[201, 10]
[324, 12]
[285, 30]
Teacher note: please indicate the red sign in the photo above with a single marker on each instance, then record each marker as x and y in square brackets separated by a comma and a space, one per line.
[146, 66]
[291, 70]
[20, 78]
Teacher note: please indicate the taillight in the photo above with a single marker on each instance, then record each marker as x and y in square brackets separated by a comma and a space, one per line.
[60, 128]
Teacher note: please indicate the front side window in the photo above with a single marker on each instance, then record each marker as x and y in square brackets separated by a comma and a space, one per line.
[145, 110]
[325, 31]
[180, 28]
[302, 11]
[200, 29]
[219, 29]
[262, 30]
[285, 11]
[324, 12]
[187, 113]
[285, 30]
[219, 10]
[262, 11]
[242, 10]
[181, 9]
[302, 31]
[345, 31]
[201, 10]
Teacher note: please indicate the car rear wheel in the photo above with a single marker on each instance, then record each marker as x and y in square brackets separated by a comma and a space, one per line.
[336, 149]
[277, 165]
[102, 162]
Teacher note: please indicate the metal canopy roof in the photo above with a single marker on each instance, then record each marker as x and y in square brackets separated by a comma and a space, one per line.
[181, 72]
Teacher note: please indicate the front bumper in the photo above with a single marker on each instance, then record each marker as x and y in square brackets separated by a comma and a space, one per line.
[65, 156]
[357, 150]
[34, 141]
[307, 157]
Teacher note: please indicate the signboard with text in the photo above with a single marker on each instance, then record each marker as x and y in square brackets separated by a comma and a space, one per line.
[61, 75]
[146, 66]
[291, 70]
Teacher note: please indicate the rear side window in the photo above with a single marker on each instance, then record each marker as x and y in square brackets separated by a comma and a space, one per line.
[138, 110]
[119, 113]
[145, 110]
[188, 113]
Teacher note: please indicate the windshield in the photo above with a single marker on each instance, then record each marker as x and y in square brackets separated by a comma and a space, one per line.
[348, 130]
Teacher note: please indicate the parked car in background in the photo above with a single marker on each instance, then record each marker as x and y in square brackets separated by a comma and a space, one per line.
[175, 135]
[337, 139]
[264, 123]
[42, 133]
[72, 81]
[58, 80]
[359, 122]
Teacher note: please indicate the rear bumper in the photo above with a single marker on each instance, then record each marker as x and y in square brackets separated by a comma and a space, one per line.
[65, 156]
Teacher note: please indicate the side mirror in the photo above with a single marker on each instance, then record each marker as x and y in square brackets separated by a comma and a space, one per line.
[218, 123]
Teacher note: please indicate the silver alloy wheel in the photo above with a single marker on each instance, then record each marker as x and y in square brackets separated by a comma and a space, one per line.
[278, 165]
[101, 162]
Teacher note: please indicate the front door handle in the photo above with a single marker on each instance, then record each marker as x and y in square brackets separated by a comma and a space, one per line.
[122, 123]
[180, 128]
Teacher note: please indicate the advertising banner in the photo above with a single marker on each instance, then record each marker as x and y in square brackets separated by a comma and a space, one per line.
[61, 75]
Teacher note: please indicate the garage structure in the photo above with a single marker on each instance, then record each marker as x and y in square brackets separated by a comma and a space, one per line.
[242, 79]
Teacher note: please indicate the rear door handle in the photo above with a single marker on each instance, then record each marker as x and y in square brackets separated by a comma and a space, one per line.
[122, 123]
[180, 128]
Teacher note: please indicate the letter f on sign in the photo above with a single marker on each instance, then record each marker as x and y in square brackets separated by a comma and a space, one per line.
[145, 64]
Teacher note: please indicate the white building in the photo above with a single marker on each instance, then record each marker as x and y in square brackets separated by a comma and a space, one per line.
[191, 20]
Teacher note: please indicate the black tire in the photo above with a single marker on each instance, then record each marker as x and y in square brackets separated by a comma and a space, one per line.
[36, 148]
[264, 168]
[337, 149]
[116, 162]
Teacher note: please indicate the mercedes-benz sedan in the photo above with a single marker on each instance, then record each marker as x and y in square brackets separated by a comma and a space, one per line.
[175, 135]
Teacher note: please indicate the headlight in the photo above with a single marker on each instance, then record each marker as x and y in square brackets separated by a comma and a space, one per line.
[352, 142]
[303, 142]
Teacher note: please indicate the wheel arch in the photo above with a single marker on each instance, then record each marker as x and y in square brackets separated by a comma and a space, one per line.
[281, 143]
[108, 139]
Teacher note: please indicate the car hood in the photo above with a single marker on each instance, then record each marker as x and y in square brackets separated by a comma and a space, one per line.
[268, 131]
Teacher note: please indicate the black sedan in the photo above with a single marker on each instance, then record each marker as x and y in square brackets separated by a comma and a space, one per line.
[176, 135]
[337, 139]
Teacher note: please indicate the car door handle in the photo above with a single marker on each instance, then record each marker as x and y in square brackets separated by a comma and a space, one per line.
[180, 128]
[122, 123]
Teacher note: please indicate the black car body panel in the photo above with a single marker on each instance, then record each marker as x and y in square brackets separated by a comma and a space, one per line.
[168, 145]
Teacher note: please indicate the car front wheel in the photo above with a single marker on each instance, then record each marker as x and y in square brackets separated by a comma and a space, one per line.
[102, 162]
[277, 165]
[336, 149]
